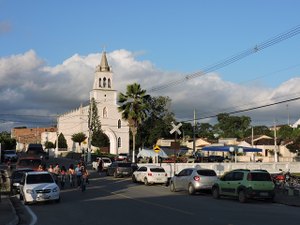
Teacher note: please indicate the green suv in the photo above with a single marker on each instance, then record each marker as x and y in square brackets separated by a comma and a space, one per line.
[245, 184]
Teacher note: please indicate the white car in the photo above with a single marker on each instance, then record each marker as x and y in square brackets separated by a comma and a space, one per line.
[106, 163]
[150, 174]
[37, 187]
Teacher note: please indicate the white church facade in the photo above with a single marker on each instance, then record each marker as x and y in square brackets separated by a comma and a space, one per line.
[112, 124]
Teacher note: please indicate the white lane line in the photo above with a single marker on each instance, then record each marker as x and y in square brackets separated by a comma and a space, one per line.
[33, 216]
[153, 204]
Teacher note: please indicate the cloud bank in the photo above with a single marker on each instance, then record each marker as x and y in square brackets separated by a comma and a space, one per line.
[31, 87]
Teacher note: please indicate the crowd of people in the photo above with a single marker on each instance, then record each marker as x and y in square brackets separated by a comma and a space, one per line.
[75, 176]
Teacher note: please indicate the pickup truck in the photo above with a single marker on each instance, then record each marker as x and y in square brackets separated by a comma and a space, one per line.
[106, 163]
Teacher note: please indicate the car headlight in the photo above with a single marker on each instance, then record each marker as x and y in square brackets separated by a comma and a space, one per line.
[29, 191]
[55, 189]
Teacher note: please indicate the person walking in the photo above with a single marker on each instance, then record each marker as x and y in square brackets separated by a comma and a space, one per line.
[84, 178]
[72, 176]
[56, 172]
[63, 174]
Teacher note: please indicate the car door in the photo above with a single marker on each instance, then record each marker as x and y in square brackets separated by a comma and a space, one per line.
[225, 183]
[236, 182]
[179, 179]
[140, 173]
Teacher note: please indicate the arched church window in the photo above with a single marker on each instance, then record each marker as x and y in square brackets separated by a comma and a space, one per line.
[119, 142]
[104, 82]
[119, 124]
[105, 112]
[100, 82]
[109, 83]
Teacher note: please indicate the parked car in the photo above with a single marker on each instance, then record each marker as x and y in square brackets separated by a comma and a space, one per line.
[37, 187]
[106, 163]
[193, 180]
[15, 179]
[122, 157]
[245, 184]
[121, 169]
[150, 174]
[37, 150]
[215, 158]
[28, 162]
[10, 155]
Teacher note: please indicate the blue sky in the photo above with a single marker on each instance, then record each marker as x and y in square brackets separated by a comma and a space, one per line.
[175, 37]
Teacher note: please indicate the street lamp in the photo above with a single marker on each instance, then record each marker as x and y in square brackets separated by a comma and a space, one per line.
[235, 150]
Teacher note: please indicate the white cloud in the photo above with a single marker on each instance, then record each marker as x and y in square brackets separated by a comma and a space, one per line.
[29, 85]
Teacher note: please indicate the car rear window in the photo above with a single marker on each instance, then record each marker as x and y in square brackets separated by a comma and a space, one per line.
[39, 178]
[106, 160]
[157, 170]
[30, 162]
[124, 164]
[260, 176]
[209, 173]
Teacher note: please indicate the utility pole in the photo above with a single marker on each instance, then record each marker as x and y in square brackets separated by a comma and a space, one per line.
[90, 134]
[275, 143]
[194, 131]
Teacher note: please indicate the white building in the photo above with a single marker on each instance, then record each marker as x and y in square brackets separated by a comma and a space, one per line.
[112, 124]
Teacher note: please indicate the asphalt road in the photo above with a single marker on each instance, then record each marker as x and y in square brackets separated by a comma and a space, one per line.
[111, 201]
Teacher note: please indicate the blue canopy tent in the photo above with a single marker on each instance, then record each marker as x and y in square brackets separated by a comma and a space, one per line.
[230, 148]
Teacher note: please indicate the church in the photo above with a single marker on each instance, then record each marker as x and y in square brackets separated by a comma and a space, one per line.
[112, 124]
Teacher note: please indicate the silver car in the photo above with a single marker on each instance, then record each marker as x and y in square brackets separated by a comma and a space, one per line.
[193, 180]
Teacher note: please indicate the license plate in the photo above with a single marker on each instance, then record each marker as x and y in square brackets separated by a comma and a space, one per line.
[264, 194]
[43, 196]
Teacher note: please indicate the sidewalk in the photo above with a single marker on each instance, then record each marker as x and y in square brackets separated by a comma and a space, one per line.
[8, 215]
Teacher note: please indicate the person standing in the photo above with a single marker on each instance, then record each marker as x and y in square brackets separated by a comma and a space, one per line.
[56, 172]
[84, 178]
[78, 174]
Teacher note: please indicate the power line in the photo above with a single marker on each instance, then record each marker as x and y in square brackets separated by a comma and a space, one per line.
[223, 63]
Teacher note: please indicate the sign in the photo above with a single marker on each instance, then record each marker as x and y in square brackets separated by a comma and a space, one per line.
[175, 145]
[176, 128]
[156, 148]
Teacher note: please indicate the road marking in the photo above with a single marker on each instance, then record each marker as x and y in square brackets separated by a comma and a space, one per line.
[33, 216]
[153, 204]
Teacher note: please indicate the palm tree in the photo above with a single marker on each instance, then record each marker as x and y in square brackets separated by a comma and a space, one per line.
[134, 107]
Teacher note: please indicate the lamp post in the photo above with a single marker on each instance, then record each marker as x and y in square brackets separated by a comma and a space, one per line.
[235, 150]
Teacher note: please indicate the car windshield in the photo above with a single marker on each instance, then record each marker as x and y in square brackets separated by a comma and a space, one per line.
[157, 170]
[30, 162]
[260, 176]
[209, 173]
[39, 178]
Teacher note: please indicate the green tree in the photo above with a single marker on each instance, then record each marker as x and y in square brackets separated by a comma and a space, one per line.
[99, 139]
[258, 130]
[6, 141]
[285, 132]
[295, 146]
[62, 142]
[134, 107]
[158, 122]
[233, 126]
[93, 120]
[205, 130]
[79, 138]
[49, 144]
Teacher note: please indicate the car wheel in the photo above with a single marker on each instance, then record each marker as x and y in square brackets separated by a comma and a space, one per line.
[172, 187]
[191, 189]
[133, 179]
[215, 193]
[146, 181]
[242, 196]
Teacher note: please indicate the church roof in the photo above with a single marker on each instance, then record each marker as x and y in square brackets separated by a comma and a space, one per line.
[104, 67]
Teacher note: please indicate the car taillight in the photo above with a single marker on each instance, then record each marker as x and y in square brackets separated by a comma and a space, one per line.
[196, 178]
[249, 177]
[150, 174]
[166, 174]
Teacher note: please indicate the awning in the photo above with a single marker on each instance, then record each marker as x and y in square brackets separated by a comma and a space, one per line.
[228, 148]
[151, 153]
